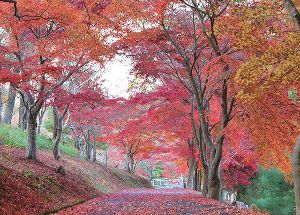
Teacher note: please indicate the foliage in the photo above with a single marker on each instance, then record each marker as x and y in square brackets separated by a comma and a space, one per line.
[157, 172]
[16, 137]
[269, 79]
[102, 145]
[269, 191]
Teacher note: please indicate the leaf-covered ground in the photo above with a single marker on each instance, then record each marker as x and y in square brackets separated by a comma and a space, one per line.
[34, 187]
[155, 201]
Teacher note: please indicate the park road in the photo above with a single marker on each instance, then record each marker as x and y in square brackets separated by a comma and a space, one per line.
[155, 202]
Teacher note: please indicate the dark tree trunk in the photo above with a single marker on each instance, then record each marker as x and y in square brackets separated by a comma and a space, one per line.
[33, 107]
[213, 185]
[81, 150]
[204, 189]
[199, 180]
[94, 156]
[31, 146]
[58, 133]
[88, 151]
[79, 146]
[55, 118]
[191, 176]
[87, 146]
[9, 110]
[25, 119]
[296, 174]
[293, 11]
[77, 143]
[195, 179]
[130, 163]
[23, 115]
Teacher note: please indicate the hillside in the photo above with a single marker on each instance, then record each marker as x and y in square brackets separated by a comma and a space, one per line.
[35, 187]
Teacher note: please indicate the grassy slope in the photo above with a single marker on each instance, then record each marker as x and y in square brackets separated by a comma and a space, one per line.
[31, 187]
[17, 137]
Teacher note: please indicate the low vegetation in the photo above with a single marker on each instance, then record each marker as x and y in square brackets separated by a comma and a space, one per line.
[16, 137]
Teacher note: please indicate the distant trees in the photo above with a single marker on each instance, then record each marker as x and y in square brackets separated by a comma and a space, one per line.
[36, 46]
[47, 44]
[189, 47]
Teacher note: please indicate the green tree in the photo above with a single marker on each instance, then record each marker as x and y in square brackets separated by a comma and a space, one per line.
[269, 191]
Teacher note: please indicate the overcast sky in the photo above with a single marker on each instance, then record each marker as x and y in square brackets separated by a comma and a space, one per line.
[117, 77]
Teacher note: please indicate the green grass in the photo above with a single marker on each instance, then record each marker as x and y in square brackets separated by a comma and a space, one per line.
[16, 137]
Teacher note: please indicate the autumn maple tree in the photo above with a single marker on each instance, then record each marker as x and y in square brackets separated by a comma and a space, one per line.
[188, 45]
[48, 42]
[269, 83]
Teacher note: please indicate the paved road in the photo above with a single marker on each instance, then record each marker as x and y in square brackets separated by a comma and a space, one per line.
[154, 202]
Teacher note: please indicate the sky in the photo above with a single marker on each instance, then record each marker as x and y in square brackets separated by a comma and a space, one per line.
[117, 77]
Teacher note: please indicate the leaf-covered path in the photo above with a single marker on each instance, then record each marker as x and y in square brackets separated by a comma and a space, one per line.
[154, 201]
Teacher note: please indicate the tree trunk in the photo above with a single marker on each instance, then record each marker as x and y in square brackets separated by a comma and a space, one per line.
[79, 146]
[214, 182]
[55, 118]
[94, 157]
[221, 184]
[204, 189]
[130, 163]
[296, 174]
[88, 151]
[25, 119]
[31, 146]
[81, 151]
[213, 185]
[22, 109]
[58, 132]
[23, 116]
[56, 151]
[58, 126]
[77, 143]
[191, 175]
[9, 110]
[131, 167]
[293, 11]
[34, 108]
[197, 179]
